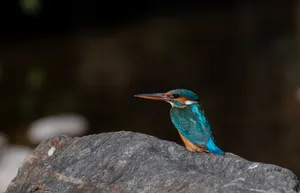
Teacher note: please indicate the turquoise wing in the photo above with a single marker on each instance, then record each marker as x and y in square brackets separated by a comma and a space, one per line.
[193, 125]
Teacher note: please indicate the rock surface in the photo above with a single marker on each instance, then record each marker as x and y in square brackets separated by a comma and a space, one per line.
[121, 162]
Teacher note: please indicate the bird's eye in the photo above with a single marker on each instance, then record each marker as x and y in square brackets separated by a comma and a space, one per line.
[175, 95]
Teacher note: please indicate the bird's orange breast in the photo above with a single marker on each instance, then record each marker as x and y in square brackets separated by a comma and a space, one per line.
[190, 146]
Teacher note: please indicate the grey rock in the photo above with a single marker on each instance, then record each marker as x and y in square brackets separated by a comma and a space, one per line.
[127, 162]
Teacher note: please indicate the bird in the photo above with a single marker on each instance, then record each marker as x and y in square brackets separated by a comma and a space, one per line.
[189, 118]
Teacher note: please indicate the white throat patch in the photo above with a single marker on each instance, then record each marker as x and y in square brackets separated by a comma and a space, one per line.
[188, 102]
[171, 103]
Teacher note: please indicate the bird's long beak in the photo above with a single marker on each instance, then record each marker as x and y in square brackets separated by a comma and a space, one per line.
[153, 96]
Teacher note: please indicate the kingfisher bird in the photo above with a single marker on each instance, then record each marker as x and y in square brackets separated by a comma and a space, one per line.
[189, 118]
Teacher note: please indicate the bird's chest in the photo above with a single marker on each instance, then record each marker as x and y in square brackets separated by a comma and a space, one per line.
[184, 120]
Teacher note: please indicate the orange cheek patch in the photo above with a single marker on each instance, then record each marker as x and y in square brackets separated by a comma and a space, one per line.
[182, 100]
[168, 95]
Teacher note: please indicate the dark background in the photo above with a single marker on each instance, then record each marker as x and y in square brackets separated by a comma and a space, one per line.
[91, 57]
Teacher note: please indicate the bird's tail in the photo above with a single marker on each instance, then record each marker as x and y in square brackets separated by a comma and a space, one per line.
[213, 148]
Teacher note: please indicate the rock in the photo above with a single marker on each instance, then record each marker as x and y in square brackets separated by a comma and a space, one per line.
[122, 162]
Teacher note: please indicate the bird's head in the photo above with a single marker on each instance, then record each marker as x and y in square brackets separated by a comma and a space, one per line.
[177, 98]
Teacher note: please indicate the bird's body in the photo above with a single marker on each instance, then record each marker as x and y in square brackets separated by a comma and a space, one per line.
[193, 126]
[189, 119]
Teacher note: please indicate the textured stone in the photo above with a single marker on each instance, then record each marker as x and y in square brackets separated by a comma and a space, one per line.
[133, 162]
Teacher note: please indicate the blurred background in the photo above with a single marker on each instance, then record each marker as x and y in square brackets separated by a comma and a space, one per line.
[69, 67]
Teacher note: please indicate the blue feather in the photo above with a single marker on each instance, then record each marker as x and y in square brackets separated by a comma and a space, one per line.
[213, 148]
[194, 126]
